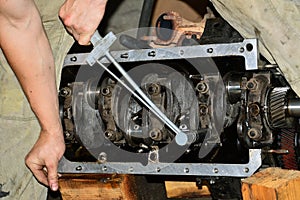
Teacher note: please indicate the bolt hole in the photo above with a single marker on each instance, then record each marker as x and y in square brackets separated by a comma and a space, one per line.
[131, 169]
[210, 50]
[216, 170]
[104, 168]
[246, 170]
[78, 168]
[124, 55]
[152, 54]
[249, 47]
[183, 126]
[73, 59]
[186, 170]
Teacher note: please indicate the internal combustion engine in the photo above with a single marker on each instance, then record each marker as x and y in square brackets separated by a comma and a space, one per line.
[238, 112]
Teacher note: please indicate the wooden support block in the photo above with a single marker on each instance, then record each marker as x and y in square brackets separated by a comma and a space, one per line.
[178, 189]
[95, 186]
[272, 184]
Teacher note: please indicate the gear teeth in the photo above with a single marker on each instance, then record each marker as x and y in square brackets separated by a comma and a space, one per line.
[288, 143]
[277, 105]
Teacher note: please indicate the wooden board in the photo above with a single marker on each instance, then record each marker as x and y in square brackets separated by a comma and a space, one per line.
[178, 189]
[268, 184]
[272, 184]
[120, 187]
[100, 187]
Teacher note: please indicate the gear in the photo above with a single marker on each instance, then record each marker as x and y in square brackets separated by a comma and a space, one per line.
[277, 108]
[288, 141]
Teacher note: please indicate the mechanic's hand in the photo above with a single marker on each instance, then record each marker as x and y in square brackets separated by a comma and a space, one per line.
[44, 156]
[82, 17]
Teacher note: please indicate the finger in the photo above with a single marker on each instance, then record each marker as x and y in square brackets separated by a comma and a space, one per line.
[53, 177]
[36, 170]
[40, 175]
[84, 39]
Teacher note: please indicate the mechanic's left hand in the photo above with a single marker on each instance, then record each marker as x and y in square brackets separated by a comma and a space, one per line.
[43, 158]
[82, 17]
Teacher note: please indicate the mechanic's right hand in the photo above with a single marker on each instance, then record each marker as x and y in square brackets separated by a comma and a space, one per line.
[82, 17]
[44, 156]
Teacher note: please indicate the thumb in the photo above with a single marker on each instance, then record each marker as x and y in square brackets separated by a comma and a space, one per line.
[52, 177]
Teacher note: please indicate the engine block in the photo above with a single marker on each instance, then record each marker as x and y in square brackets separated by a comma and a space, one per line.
[197, 90]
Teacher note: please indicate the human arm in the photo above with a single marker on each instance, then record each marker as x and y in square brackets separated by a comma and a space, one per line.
[82, 17]
[28, 52]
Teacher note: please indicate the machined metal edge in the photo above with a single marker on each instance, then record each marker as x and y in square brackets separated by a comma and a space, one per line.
[248, 49]
[190, 169]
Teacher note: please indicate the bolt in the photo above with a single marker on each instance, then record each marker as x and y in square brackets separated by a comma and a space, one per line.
[78, 168]
[155, 134]
[154, 89]
[65, 92]
[183, 127]
[153, 156]
[106, 112]
[251, 85]
[152, 54]
[216, 170]
[203, 109]
[104, 168]
[210, 50]
[253, 133]
[67, 134]
[110, 134]
[106, 91]
[140, 151]
[246, 170]
[131, 169]
[186, 170]
[73, 59]
[102, 157]
[254, 110]
[202, 87]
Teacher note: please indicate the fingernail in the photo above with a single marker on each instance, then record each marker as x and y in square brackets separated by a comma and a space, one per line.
[54, 186]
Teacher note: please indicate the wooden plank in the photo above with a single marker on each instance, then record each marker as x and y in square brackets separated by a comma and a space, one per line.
[272, 184]
[178, 189]
[95, 186]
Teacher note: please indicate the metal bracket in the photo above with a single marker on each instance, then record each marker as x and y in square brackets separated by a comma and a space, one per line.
[187, 169]
[248, 49]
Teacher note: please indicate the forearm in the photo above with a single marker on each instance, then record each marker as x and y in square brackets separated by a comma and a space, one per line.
[28, 52]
